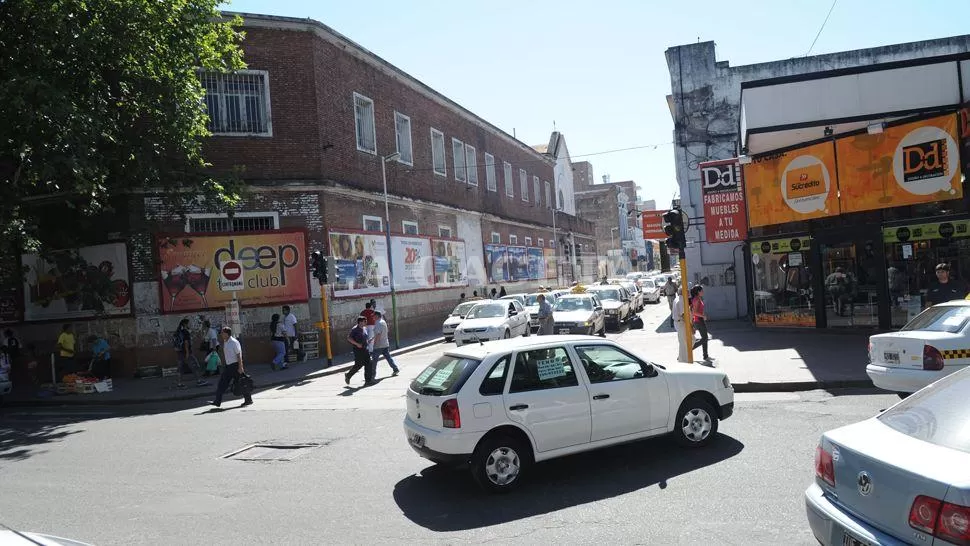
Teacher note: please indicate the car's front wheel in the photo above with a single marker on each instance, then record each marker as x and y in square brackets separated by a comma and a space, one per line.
[499, 463]
[696, 422]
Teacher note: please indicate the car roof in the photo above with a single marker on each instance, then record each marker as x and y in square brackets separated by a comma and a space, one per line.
[480, 351]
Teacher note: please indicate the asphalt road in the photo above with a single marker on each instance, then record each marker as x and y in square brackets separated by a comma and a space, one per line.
[157, 475]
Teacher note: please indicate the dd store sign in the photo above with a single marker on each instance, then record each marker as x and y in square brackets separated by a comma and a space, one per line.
[723, 192]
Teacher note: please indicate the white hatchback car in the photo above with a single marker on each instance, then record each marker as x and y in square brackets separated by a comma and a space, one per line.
[933, 345]
[504, 405]
[491, 320]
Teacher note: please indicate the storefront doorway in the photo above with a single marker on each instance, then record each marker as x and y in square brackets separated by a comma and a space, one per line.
[853, 280]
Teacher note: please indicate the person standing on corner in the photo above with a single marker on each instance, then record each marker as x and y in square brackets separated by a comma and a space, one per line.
[545, 316]
[182, 342]
[699, 316]
[278, 338]
[380, 341]
[944, 289]
[289, 326]
[65, 351]
[234, 367]
[678, 315]
[494, 294]
[502, 293]
[670, 291]
[358, 339]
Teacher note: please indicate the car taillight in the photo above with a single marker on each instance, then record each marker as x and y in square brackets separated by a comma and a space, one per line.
[824, 468]
[450, 416]
[932, 358]
[944, 520]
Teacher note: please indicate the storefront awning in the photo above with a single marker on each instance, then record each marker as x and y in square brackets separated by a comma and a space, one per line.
[781, 112]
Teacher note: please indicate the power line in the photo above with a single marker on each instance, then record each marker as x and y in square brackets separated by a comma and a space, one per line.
[821, 27]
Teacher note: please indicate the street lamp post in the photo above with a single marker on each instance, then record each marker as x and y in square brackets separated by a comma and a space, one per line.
[387, 233]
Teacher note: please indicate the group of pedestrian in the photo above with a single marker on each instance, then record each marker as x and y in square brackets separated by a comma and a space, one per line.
[98, 366]
[698, 315]
[370, 340]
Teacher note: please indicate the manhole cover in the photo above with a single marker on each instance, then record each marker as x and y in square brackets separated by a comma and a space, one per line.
[270, 452]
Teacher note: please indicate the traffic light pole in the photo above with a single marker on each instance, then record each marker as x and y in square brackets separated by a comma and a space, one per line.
[326, 323]
[685, 298]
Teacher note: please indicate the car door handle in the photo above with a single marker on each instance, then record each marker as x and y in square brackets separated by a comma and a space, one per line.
[519, 407]
[601, 396]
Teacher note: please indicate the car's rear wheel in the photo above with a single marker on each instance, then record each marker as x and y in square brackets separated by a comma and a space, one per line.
[499, 463]
[449, 339]
[696, 422]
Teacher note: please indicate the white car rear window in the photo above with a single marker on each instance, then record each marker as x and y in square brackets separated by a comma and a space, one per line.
[444, 376]
[950, 319]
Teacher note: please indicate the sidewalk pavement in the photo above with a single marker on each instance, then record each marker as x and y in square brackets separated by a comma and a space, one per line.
[761, 359]
[157, 389]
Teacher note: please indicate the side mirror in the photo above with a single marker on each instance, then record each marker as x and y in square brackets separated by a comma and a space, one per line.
[598, 308]
[513, 313]
[651, 371]
[626, 300]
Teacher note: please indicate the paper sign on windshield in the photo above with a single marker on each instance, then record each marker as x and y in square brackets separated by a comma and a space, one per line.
[551, 368]
[425, 375]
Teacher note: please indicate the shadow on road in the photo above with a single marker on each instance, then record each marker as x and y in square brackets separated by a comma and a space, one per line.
[20, 444]
[446, 500]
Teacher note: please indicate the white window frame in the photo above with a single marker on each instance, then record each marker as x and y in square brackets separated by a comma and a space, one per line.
[373, 123]
[406, 223]
[490, 183]
[509, 180]
[528, 241]
[552, 243]
[377, 219]
[471, 164]
[218, 216]
[548, 189]
[409, 160]
[458, 156]
[513, 240]
[266, 106]
[435, 136]
[537, 190]
[444, 231]
[541, 242]
[496, 238]
[524, 184]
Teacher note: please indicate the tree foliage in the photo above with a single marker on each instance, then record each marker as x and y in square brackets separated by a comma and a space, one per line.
[100, 98]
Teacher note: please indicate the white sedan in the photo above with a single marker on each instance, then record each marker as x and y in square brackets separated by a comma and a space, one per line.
[503, 406]
[454, 319]
[650, 291]
[933, 345]
[491, 320]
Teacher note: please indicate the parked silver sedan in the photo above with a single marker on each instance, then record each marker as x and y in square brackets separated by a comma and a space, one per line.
[902, 477]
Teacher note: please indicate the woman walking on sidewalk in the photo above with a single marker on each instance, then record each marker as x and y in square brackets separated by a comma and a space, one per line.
[278, 337]
[700, 319]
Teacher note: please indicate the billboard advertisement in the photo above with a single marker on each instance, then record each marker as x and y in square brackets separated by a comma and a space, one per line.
[518, 258]
[74, 284]
[273, 269]
[496, 263]
[413, 263]
[362, 266]
[722, 187]
[913, 163]
[790, 186]
[449, 263]
[536, 267]
[549, 256]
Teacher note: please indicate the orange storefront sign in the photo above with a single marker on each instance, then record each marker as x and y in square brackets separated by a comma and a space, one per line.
[913, 163]
[791, 186]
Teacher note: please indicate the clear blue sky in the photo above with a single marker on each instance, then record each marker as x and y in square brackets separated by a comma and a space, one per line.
[597, 68]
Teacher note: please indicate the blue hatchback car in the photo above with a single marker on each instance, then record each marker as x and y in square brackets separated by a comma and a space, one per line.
[902, 477]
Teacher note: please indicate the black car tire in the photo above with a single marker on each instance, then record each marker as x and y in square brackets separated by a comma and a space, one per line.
[483, 461]
[695, 412]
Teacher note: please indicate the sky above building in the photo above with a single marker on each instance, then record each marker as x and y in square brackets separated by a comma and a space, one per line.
[596, 70]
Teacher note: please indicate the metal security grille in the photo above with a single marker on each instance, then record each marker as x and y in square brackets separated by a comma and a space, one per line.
[223, 224]
[236, 103]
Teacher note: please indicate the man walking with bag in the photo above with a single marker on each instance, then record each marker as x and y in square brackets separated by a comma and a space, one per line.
[358, 339]
[235, 369]
[381, 343]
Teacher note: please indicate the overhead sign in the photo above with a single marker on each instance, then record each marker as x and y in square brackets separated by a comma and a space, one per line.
[653, 224]
[231, 277]
[926, 232]
[781, 246]
[722, 187]
[791, 186]
[913, 163]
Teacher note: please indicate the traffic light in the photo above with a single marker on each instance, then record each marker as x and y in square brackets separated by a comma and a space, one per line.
[675, 229]
[318, 265]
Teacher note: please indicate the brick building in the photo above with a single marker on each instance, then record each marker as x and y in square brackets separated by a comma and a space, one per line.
[610, 206]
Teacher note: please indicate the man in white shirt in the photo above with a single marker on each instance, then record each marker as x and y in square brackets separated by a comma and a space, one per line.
[235, 368]
[382, 345]
[289, 326]
[678, 315]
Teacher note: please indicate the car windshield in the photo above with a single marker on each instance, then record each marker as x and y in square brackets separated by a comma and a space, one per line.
[488, 311]
[444, 376]
[606, 294]
[462, 308]
[533, 299]
[936, 414]
[647, 284]
[574, 304]
[947, 318]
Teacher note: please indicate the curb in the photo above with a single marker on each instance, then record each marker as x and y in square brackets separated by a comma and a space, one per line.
[330, 370]
[800, 386]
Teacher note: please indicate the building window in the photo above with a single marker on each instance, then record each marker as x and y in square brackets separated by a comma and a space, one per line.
[438, 152]
[509, 182]
[528, 241]
[541, 242]
[409, 228]
[490, 182]
[364, 120]
[458, 152]
[552, 243]
[373, 223]
[513, 239]
[402, 135]
[471, 164]
[536, 190]
[496, 238]
[524, 184]
[240, 222]
[238, 102]
[444, 231]
[548, 195]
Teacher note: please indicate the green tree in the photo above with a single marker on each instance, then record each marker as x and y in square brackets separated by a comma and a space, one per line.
[100, 99]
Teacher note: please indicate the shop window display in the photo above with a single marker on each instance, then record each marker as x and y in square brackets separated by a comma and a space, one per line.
[783, 293]
[851, 283]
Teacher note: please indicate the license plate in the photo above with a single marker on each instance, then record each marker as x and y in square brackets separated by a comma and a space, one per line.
[564, 330]
[891, 357]
[416, 440]
[851, 541]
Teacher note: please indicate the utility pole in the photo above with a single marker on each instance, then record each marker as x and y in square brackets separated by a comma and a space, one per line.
[675, 226]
